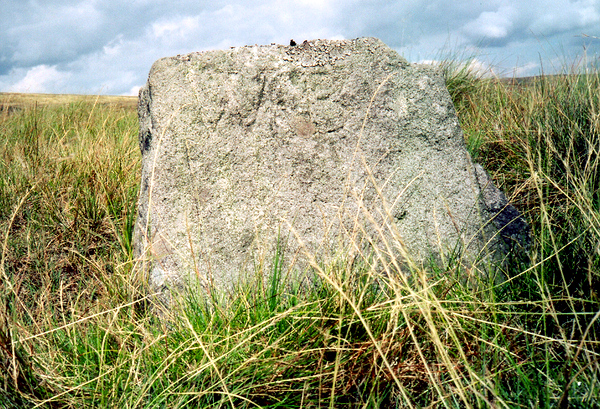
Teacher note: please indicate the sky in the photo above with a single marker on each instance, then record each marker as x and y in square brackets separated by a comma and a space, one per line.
[107, 47]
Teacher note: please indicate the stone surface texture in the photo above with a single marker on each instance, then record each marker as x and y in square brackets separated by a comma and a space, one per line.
[326, 143]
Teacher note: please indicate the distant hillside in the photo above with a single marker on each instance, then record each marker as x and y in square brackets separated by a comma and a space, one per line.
[10, 101]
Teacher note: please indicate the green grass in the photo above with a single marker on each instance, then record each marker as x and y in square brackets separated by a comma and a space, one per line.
[77, 330]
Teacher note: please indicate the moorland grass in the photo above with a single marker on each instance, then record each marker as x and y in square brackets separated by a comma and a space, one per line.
[76, 330]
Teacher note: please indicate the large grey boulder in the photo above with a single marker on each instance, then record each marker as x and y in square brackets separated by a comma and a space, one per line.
[327, 146]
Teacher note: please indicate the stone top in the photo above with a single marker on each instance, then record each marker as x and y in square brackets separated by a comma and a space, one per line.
[314, 53]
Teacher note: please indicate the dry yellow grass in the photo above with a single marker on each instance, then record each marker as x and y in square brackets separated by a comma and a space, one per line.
[11, 100]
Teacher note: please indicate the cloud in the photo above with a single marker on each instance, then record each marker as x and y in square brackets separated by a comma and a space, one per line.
[176, 29]
[494, 25]
[134, 91]
[525, 70]
[109, 45]
[566, 16]
[41, 79]
[473, 66]
[55, 34]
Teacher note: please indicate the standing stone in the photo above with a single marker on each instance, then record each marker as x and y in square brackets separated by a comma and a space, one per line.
[332, 144]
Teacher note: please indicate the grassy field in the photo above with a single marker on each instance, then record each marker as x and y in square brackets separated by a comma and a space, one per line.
[12, 101]
[76, 327]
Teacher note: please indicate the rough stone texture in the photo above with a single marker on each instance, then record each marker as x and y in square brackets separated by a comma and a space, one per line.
[343, 140]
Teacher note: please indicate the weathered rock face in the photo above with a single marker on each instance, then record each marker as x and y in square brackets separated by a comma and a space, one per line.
[327, 143]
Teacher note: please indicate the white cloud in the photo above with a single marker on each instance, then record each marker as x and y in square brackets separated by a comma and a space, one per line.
[321, 6]
[175, 29]
[41, 79]
[474, 66]
[481, 68]
[109, 45]
[492, 24]
[589, 15]
[134, 91]
[529, 69]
